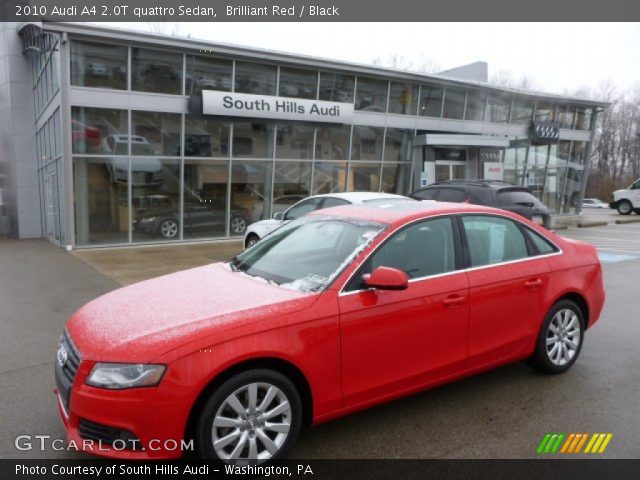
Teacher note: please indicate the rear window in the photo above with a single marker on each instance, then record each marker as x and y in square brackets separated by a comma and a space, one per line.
[452, 195]
[508, 198]
[428, 194]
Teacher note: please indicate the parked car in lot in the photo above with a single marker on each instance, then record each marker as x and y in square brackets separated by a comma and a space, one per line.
[504, 195]
[627, 200]
[339, 310]
[258, 230]
[594, 203]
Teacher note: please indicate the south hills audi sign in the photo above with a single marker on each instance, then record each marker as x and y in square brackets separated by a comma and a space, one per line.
[279, 108]
[544, 133]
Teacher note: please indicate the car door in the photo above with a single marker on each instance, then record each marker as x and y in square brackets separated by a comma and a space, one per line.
[507, 288]
[396, 340]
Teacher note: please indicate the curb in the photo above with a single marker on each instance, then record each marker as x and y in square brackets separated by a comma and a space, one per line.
[592, 224]
[622, 221]
[560, 227]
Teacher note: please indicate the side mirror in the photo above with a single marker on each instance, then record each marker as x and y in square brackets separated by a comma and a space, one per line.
[387, 278]
[278, 216]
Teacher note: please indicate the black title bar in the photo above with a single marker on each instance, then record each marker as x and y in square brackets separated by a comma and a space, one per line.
[320, 11]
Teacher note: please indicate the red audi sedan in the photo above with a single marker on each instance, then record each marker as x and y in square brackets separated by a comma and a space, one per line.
[334, 312]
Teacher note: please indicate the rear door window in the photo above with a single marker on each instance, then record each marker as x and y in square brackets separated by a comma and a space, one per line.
[302, 208]
[334, 202]
[427, 194]
[543, 246]
[452, 195]
[510, 198]
[493, 240]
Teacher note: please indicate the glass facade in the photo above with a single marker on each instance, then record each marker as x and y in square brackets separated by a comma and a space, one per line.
[143, 176]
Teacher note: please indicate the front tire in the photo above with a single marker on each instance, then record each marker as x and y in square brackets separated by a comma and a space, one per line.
[560, 339]
[238, 225]
[625, 207]
[251, 418]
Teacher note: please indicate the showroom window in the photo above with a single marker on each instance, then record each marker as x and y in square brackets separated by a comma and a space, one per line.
[583, 118]
[493, 240]
[366, 143]
[206, 137]
[157, 71]
[566, 115]
[253, 139]
[545, 111]
[476, 102]
[155, 199]
[207, 73]
[332, 142]
[498, 108]
[250, 191]
[101, 200]
[336, 87]
[398, 145]
[396, 178]
[522, 111]
[329, 177]
[294, 140]
[364, 176]
[403, 98]
[155, 133]
[431, 101]
[98, 65]
[371, 95]
[298, 83]
[453, 103]
[255, 78]
[99, 131]
[291, 183]
[205, 199]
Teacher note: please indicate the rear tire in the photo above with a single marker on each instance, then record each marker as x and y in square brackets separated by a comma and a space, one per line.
[252, 239]
[253, 417]
[560, 339]
[625, 207]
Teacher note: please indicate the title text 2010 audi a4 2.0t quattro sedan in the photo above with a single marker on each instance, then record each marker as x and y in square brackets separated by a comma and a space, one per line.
[334, 312]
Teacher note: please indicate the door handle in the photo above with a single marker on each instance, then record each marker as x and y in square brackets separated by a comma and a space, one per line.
[533, 283]
[453, 300]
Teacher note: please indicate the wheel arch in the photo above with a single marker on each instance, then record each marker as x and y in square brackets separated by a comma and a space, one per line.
[580, 301]
[288, 369]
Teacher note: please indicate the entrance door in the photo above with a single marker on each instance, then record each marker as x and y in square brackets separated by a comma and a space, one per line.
[52, 215]
[450, 170]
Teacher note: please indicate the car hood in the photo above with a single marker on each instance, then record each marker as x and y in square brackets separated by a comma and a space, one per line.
[142, 321]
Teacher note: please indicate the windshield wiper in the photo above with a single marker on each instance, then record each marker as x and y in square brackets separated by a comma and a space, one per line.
[525, 204]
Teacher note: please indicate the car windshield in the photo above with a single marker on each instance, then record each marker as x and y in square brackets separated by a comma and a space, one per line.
[308, 253]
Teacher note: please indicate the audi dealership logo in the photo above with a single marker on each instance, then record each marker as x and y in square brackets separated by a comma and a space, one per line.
[545, 133]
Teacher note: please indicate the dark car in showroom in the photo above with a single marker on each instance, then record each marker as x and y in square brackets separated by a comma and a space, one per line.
[205, 215]
[492, 193]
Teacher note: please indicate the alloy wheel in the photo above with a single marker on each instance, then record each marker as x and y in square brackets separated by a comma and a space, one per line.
[625, 208]
[169, 228]
[563, 336]
[238, 225]
[252, 424]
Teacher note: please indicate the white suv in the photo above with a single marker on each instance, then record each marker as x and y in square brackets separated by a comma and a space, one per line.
[258, 230]
[627, 200]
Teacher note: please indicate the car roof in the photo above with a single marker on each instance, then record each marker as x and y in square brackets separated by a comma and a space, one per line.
[479, 182]
[402, 212]
[359, 197]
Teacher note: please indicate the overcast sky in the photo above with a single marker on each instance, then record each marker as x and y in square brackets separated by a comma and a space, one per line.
[558, 57]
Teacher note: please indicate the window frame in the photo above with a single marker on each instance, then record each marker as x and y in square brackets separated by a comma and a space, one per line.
[354, 282]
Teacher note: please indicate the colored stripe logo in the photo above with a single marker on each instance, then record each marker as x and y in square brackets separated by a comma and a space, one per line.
[574, 443]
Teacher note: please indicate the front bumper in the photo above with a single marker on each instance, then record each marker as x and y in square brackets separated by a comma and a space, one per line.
[614, 204]
[156, 416]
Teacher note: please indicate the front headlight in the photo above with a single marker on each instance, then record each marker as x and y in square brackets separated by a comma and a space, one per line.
[118, 376]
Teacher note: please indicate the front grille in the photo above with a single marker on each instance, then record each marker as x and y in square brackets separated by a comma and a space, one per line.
[66, 368]
[108, 435]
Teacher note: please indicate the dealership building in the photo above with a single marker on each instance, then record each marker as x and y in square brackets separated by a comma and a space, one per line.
[113, 137]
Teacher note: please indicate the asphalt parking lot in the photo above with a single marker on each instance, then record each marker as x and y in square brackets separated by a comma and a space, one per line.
[500, 414]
